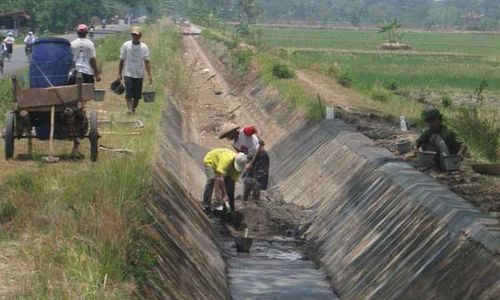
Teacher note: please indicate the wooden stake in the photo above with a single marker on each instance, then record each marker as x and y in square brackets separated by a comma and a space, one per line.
[52, 121]
[246, 232]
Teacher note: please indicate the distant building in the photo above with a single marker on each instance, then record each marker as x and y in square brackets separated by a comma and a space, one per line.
[13, 21]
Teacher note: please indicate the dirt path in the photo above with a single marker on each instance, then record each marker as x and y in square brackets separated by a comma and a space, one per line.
[330, 91]
[392, 52]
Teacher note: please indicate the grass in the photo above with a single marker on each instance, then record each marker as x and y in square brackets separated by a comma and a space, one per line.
[350, 39]
[71, 228]
[449, 64]
[408, 71]
[289, 89]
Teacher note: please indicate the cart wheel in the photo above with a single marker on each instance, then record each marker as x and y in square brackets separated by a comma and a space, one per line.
[9, 135]
[93, 136]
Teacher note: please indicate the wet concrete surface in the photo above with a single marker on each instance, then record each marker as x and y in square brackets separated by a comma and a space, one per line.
[274, 269]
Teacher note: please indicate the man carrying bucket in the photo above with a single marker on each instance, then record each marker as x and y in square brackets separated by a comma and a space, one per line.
[134, 58]
[223, 168]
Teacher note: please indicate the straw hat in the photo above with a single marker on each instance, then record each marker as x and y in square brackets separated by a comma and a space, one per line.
[227, 129]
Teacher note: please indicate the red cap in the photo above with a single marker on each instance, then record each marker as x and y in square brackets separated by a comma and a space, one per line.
[249, 130]
[82, 28]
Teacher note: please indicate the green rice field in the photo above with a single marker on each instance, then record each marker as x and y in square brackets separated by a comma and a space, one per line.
[438, 61]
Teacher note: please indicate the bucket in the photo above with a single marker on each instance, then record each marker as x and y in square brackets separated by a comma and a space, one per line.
[427, 158]
[243, 244]
[149, 96]
[330, 113]
[99, 95]
[404, 146]
[450, 162]
[117, 87]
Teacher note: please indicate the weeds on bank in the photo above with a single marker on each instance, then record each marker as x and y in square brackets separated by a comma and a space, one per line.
[78, 224]
[5, 98]
[288, 89]
[477, 125]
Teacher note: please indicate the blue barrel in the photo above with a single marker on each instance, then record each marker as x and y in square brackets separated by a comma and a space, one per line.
[51, 62]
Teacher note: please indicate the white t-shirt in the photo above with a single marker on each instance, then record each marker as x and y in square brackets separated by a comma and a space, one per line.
[134, 57]
[247, 144]
[29, 39]
[9, 40]
[83, 50]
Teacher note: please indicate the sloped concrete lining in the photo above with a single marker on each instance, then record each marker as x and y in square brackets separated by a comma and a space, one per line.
[189, 261]
[383, 230]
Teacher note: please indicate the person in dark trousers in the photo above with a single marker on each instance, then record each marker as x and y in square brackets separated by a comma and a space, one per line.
[134, 58]
[439, 138]
[246, 140]
[84, 59]
[223, 168]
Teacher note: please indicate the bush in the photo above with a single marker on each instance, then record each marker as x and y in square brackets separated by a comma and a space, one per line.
[380, 93]
[391, 85]
[344, 78]
[282, 71]
[446, 101]
[241, 60]
[333, 70]
[479, 129]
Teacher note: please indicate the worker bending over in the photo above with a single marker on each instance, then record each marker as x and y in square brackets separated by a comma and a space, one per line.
[223, 168]
[246, 140]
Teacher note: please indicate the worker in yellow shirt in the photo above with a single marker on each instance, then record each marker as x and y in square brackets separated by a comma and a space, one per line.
[223, 168]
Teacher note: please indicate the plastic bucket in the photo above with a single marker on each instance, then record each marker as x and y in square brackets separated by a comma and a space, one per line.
[450, 162]
[427, 158]
[243, 244]
[404, 146]
[149, 96]
[99, 95]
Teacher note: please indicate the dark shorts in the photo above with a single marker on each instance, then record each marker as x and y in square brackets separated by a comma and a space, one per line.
[86, 78]
[133, 88]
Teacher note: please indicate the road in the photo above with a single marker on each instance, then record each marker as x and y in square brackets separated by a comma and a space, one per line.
[20, 61]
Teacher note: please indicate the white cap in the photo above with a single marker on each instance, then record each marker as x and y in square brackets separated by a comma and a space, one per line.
[10, 33]
[240, 160]
[31, 32]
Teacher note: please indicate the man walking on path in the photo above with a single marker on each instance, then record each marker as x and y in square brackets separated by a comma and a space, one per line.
[29, 40]
[3, 52]
[223, 168]
[84, 57]
[134, 58]
[83, 51]
[9, 42]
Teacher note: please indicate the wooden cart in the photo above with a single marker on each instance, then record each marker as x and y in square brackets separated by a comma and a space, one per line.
[51, 113]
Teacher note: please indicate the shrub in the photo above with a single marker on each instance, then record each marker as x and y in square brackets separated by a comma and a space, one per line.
[380, 93]
[282, 71]
[479, 129]
[241, 60]
[333, 70]
[446, 101]
[344, 78]
[391, 85]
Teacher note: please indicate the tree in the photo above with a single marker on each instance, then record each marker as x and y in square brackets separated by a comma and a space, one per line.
[249, 11]
[392, 31]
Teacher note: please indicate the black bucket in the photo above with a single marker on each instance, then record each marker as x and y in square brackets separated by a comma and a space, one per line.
[243, 244]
